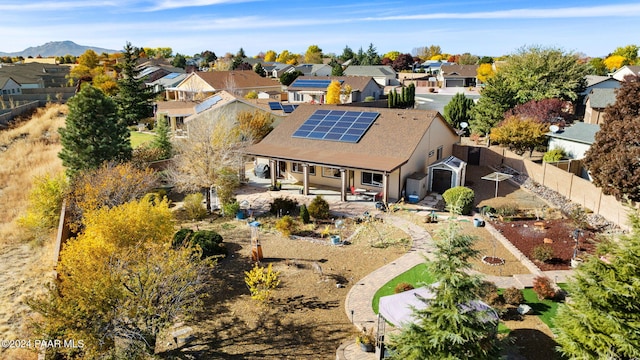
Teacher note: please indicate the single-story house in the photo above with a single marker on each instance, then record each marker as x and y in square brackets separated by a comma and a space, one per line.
[575, 140]
[275, 69]
[202, 84]
[596, 102]
[384, 75]
[314, 69]
[375, 149]
[599, 82]
[168, 81]
[8, 86]
[312, 89]
[433, 66]
[458, 75]
[626, 70]
[36, 75]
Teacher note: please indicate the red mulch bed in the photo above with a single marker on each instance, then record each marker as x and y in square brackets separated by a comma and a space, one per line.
[524, 235]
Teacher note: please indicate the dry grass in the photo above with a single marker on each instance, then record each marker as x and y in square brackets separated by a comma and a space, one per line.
[28, 149]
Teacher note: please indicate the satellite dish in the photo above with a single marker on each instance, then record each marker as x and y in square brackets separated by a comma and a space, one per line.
[464, 125]
[554, 128]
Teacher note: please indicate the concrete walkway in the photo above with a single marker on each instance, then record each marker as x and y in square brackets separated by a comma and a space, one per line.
[358, 303]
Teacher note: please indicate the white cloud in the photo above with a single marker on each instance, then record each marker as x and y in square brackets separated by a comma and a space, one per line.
[177, 4]
[55, 5]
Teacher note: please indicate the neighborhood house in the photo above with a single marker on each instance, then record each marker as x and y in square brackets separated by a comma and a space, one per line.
[370, 149]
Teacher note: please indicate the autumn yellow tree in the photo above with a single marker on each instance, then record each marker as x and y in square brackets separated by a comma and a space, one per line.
[485, 71]
[333, 93]
[313, 55]
[392, 55]
[254, 126]
[615, 62]
[520, 134]
[270, 56]
[120, 283]
[45, 203]
[108, 186]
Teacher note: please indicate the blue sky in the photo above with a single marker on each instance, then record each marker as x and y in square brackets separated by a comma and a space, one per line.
[481, 27]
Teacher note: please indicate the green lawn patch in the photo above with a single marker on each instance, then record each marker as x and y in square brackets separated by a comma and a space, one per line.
[545, 309]
[416, 276]
[139, 138]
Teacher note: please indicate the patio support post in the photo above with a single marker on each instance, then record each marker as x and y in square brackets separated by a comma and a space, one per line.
[272, 171]
[385, 187]
[305, 179]
[343, 186]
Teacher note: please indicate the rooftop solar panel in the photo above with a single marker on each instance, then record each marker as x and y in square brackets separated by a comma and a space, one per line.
[274, 105]
[336, 125]
[207, 103]
[313, 83]
[289, 108]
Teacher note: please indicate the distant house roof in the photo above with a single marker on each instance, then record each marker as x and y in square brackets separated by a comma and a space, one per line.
[242, 79]
[370, 70]
[169, 80]
[579, 132]
[46, 75]
[5, 79]
[626, 70]
[385, 146]
[601, 98]
[312, 69]
[357, 83]
[459, 71]
[595, 79]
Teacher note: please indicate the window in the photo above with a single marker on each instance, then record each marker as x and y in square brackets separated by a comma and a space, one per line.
[298, 97]
[298, 168]
[439, 155]
[331, 172]
[372, 179]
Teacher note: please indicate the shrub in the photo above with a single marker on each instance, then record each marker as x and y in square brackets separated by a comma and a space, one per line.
[369, 99]
[304, 214]
[543, 288]
[286, 225]
[554, 155]
[194, 207]
[507, 210]
[459, 200]
[180, 237]
[542, 252]
[513, 296]
[402, 287]
[284, 206]
[261, 282]
[489, 293]
[231, 209]
[319, 208]
[210, 242]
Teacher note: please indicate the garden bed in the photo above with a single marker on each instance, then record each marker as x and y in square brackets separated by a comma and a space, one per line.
[526, 235]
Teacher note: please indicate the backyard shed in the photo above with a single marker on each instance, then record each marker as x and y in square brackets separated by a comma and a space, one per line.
[447, 173]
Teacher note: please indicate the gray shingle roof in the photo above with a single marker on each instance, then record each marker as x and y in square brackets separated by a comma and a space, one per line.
[579, 132]
[601, 98]
[370, 70]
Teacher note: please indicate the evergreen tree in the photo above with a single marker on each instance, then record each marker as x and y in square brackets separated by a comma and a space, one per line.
[412, 95]
[92, 133]
[336, 70]
[612, 160]
[259, 70]
[347, 54]
[162, 141]
[179, 61]
[134, 99]
[602, 320]
[446, 328]
[496, 98]
[458, 110]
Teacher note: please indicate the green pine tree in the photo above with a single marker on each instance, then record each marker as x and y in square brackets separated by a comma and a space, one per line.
[445, 329]
[162, 141]
[458, 110]
[602, 320]
[92, 132]
[404, 97]
[134, 99]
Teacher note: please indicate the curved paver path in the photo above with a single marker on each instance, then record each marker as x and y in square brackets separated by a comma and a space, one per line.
[361, 294]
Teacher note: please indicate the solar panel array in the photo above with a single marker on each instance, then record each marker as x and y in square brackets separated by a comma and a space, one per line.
[274, 105]
[313, 83]
[336, 125]
[207, 103]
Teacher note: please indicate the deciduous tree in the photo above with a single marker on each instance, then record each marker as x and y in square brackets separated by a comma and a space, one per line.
[615, 62]
[597, 66]
[402, 62]
[630, 52]
[313, 55]
[520, 134]
[612, 160]
[120, 283]
[602, 320]
[536, 73]
[550, 111]
[333, 93]
[270, 56]
[485, 71]
[93, 133]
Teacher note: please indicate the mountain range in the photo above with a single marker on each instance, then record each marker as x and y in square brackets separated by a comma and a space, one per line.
[57, 48]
